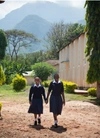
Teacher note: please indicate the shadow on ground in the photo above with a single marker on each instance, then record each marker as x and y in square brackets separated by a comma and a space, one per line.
[95, 101]
[59, 129]
[38, 127]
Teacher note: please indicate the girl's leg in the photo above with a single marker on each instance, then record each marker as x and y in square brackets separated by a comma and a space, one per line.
[35, 116]
[35, 119]
[39, 115]
[55, 120]
[39, 118]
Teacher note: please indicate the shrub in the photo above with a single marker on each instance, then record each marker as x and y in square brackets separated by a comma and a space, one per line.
[46, 83]
[92, 92]
[19, 83]
[70, 87]
[9, 78]
[43, 70]
[2, 76]
[64, 84]
[0, 106]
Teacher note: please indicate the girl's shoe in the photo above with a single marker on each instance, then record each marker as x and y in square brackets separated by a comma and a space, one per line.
[39, 121]
[35, 123]
[55, 125]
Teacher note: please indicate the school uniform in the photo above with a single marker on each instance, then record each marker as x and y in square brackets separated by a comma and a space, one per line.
[35, 97]
[56, 103]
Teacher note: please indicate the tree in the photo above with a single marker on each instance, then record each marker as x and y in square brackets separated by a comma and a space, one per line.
[17, 40]
[2, 76]
[3, 44]
[43, 70]
[59, 36]
[93, 42]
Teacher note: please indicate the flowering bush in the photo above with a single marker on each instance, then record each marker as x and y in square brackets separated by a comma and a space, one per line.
[92, 92]
[68, 86]
[19, 83]
[46, 83]
[0, 106]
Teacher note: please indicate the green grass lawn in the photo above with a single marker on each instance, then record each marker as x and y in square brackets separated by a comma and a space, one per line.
[7, 93]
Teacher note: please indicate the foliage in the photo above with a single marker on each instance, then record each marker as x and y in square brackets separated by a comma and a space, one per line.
[28, 59]
[0, 106]
[17, 40]
[43, 70]
[64, 84]
[92, 92]
[19, 83]
[70, 87]
[3, 44]
[35, 57]
[10, 78]
[59, 36]
[2, 76]
[13, 68]
[46, 83]
[93, 42]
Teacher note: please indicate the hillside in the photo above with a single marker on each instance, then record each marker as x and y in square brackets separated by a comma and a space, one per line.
[35, 25]
[48, 10]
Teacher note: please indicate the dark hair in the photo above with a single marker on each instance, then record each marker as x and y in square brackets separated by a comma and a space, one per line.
[56, 75]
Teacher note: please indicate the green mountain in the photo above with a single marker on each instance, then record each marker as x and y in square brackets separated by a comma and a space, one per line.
[38, 27]
[35, 25]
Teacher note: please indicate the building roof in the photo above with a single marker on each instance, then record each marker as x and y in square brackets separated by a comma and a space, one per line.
[71, 41]
[53, 62]
[28, 73]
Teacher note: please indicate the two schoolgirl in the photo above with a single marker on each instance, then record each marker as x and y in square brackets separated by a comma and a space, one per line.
[57, 99]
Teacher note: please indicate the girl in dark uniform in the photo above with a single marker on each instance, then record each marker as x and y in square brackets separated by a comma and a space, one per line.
[57, 98]
[35, 100]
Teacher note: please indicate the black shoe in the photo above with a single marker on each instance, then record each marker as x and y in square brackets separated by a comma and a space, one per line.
[55, 125]
[39, 121]
[35, 123]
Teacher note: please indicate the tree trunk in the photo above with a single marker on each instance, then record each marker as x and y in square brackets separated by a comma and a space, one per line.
[16, 56]
[98, 90]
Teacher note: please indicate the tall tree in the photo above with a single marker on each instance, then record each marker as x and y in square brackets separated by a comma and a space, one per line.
[59, 36]
[18, 39]
[93, 42]
[3, 44]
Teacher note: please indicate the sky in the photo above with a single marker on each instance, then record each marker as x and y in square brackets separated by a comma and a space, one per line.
[10, 5]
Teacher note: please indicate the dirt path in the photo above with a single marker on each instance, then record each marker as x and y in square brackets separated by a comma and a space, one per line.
[78, 120]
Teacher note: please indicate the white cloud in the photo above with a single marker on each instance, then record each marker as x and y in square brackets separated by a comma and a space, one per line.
[77, 3]
[10, 5]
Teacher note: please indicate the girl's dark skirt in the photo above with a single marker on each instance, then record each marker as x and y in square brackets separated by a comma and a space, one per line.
[56, 104]
[36, 107]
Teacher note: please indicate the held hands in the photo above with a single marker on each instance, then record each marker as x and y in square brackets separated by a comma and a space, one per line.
[46, 101]
[30, 103]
